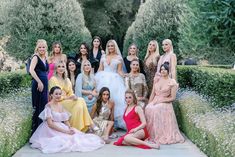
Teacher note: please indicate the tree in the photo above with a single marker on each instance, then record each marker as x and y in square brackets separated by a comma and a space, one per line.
[52, 20]
[156, 19]
[109, 18]
[207, 31]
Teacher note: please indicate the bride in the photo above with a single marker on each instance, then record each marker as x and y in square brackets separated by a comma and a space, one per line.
[110, 74]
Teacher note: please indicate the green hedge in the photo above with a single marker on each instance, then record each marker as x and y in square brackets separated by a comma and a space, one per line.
[212, 131]
[13, 81]
[15, 121]
[218, 84]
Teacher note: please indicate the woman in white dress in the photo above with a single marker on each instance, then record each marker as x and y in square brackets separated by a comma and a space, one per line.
[110, 74]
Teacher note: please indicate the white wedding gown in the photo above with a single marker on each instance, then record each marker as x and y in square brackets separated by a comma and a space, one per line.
[111, 79]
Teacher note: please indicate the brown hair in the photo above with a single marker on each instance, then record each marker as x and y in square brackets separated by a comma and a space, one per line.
[129, 91]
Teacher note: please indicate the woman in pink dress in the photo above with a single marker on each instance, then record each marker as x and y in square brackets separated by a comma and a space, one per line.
[135, 124]
[160, 116]
[56, 56]
[55, 133]
[170, 57]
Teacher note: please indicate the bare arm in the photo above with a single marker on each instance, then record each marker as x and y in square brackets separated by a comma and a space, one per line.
[93, 111]
[33, 64]
[152, 94]
[173, 66]
[119, 70]
[55, 127]
[101, 67]
[112, 111]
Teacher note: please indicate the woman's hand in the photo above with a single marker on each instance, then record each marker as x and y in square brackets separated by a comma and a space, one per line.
[73, 97]
[133, 130]
[70, 131]
[40, 86]
[90, 96]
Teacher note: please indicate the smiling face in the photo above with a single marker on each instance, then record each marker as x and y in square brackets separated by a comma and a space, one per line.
[56, 49]
[166, 46]
[135, 66]
[60, 68]
[83, 50]
[164, 71]
[86, 66]
[72, 66]
[111, 47]
[105, 96]
[56, 95]
[132, 50]
[42, 47]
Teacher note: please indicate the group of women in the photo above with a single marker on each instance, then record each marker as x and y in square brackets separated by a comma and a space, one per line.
[97, 90]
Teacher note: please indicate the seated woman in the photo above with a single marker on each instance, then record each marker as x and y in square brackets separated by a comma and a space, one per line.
[55, 133]
[135, 124]
[103, 114]
[85, 85]
[161, 120]
[80, 118]
[72, 72]
[136, 81]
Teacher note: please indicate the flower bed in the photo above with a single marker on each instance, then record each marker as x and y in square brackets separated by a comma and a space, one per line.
[211, 130]
[15, 121]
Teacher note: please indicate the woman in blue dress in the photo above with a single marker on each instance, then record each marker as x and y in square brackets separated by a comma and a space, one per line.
[85, 85]
[38, 70]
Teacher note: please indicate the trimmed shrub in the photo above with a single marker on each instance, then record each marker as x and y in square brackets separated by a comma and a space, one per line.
[212, 131]
[15, 121]
[12, 81]
[215, 83]
[52, 20]
[156, 19]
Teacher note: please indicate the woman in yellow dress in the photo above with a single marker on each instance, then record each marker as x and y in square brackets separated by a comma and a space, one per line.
[80, 118]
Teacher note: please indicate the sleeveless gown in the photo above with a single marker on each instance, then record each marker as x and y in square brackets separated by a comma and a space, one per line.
[111, 79]
[132, 121]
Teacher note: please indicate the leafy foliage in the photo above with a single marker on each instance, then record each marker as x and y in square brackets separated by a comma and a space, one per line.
[207, 31]
[10, 81]
[109, 19]
[52, 20]
[211, 130]
[156, 19]
[15, 121]
[218, 84]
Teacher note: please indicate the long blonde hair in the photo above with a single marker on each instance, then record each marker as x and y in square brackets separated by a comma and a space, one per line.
[117, 50]
[170, 43]
[39, 41]
[156, 52]
[90, 79]
[65, 74]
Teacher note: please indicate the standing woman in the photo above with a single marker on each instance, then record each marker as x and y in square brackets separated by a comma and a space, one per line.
[96, 52]
[72, 72]
[80, 118]
[38, 70]
[150, 62]
[82, 55]
[160, 116]
[85, 85]
[56, 55]
[133, 54]
[136, 81]
[170, 57]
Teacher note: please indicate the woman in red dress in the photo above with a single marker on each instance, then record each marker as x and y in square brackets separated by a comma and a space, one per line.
[135, 124]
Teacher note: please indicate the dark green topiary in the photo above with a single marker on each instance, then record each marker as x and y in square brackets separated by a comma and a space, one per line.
[52, 20]
[218, 84]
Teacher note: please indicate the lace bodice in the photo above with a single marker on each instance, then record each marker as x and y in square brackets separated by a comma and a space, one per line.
[113, 66]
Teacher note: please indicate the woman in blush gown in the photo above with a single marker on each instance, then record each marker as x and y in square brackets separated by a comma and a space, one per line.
[111, 75]
[160, 116]
[55, 133]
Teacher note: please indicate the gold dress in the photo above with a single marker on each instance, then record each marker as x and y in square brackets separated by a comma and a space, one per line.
[102, 119]
[80, 118]
[139, 86]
